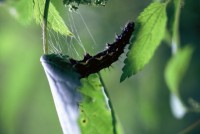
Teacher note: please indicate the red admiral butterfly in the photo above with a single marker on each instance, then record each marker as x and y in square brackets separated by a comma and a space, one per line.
[93, 64]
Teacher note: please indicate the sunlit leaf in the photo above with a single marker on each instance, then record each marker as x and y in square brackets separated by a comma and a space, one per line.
[95, 116]
[55, 21]
[150, 29]
[176, 68]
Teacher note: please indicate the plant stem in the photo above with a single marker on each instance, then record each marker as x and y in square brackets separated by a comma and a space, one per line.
[190, 128]
[175, 27]
[114, 120]
[44, 26]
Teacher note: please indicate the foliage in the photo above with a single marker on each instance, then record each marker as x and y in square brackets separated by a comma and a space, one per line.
[151, 26]
[176, 68]
[55, 21]
[150, 29]
[27, 9]
[95, 115]
[91, 98]
[174, 73]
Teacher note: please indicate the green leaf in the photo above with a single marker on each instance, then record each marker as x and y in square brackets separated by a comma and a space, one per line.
[95, 115]
[150, 29]
[176, 68]
[55, 21]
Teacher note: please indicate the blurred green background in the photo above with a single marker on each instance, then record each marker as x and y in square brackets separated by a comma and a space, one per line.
[141, 102]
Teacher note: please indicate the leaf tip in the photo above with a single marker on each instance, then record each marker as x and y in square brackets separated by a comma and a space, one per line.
[122, 78]
[124, 74]
[70, 34]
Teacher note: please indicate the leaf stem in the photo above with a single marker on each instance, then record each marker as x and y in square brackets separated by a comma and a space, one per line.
[175, 27]
[114, 120]
[44, 27]
[190, 128]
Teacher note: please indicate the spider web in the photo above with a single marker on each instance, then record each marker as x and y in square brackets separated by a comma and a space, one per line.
[72, 46]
